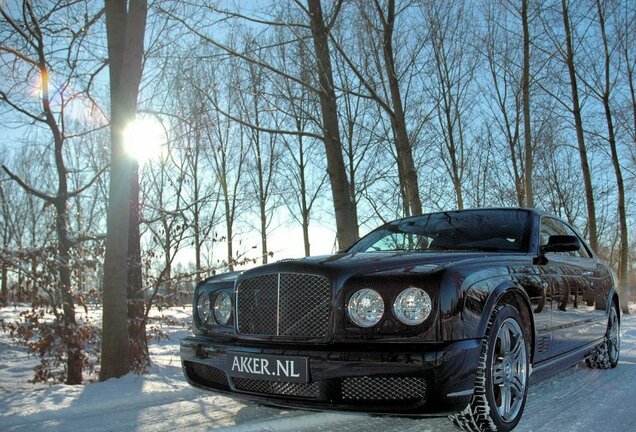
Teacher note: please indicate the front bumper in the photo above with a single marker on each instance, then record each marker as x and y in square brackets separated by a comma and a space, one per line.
[415, 379]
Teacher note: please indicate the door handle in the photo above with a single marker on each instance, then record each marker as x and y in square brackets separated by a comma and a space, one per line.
[587, 273]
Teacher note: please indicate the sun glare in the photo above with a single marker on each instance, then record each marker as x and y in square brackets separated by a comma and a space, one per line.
[145, 139]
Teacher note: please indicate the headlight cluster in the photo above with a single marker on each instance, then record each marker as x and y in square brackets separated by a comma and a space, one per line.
[218, 312]
[222, 308]
[366, 307]
[203, 307]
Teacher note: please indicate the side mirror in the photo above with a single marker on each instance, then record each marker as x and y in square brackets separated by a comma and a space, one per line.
[561, 243]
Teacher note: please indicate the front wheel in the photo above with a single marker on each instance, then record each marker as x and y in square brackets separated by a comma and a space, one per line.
[501, 383]
[605, 356]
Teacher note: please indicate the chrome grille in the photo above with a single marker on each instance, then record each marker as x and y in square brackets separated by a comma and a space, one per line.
[283, 304]
[383, 388]
[302, 390]
[257, 305]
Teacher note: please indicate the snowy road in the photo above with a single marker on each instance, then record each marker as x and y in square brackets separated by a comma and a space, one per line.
[579, 399]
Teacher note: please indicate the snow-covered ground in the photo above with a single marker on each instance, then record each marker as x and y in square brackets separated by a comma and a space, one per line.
[579, 399]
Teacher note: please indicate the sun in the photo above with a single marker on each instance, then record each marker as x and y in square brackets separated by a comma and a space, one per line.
[145, 139]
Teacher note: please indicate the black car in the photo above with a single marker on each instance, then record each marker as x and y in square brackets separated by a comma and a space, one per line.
[444, 313]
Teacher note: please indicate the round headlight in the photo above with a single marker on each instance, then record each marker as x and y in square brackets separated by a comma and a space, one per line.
[412, 306]
[222, 308]
[365, 307]
[203, 307]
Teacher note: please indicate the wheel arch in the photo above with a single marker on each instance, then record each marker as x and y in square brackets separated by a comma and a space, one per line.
[513, 294]
[612, 298]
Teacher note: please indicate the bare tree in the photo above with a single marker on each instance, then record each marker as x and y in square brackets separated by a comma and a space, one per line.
[29, 45]
[203, 190]
[263, 148]
[502, 58]
[347, 227]
[346, 222]
[525, 86]
[453, 71]
[380, 20]
[164, 217]
[602, 87]
[125, 27]
[302, 153]
[578, 123]
[227, 142]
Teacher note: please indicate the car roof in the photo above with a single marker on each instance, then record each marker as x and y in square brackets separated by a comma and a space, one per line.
[528, 209]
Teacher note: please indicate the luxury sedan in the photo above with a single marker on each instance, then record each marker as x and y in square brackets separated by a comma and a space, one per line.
[449, 313]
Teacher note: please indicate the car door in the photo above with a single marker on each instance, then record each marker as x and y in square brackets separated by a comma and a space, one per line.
[576, 317]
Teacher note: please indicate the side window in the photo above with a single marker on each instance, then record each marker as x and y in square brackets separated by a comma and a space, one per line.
[551, 226]
[546, 231]
[583, 252]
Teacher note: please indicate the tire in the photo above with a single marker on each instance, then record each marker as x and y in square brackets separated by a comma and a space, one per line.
[606, 355]
[501, 382]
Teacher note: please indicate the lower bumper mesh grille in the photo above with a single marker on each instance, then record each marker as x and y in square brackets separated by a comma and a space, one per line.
[206, 375]
[383, 388]
[301, 390]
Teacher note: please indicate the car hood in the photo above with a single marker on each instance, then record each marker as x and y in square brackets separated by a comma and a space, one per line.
[368, 263]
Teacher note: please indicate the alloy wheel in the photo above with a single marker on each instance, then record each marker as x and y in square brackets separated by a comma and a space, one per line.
[509, 365]
[613, 339]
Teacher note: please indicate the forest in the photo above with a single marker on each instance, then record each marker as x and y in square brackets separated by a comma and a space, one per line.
[146, 145]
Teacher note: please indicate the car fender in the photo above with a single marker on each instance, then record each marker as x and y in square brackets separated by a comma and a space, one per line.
[495, 297]
[613, 292]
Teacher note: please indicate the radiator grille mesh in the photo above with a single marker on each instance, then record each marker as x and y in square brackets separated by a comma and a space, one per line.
[284, 304]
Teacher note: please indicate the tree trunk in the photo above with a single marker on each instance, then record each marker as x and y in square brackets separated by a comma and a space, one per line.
[260, 172]
[306, 234]
[346, 223]
[406, 165]
[304, 209]
[125, 30]
[73, 348]
[196, 216]
[452, 153]
[139, 358]
[263, 215]
[74, 356]
[228, 230]
[622, 216]
[580, 138]
[630, 81]
[4, 285]
[525, 88]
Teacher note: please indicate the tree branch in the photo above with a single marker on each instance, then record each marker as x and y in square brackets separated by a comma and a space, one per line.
[89, 184]
[28, 188]
[256, 20]
[252, 126]
[240, 55]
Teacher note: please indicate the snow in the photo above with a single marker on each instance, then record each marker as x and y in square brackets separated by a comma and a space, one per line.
[575, 400]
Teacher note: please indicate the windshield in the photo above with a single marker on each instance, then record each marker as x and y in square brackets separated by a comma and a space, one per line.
[497, 230]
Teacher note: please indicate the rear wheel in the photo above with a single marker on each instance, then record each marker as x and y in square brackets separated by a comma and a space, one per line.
[606, 355]
[501, 383]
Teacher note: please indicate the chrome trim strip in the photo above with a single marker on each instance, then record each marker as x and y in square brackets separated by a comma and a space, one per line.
[278, 307]
[468, 392]
[236, 315]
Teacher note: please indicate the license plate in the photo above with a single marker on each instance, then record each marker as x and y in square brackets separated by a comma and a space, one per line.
[268, 367]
